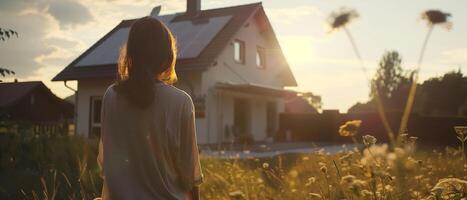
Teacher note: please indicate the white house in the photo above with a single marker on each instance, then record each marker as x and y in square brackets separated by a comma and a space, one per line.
[229, 61]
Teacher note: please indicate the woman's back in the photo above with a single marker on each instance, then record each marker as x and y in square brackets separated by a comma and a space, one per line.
[150, 153]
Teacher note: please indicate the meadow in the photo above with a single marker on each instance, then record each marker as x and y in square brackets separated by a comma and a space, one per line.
[64, 167]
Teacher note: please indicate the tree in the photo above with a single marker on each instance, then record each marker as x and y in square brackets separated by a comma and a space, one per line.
[444, 95]
[313, 100]
[4, 35]
[390, 80]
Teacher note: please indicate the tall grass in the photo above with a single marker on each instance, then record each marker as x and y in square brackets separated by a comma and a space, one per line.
[58, 168]
[41, 166]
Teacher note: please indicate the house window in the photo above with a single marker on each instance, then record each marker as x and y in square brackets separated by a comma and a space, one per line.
[260, 58]
[95, 117]
[239, 51]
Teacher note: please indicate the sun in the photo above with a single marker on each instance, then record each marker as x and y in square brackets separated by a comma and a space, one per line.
[298, 50]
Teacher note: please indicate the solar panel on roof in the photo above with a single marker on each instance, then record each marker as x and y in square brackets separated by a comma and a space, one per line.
[192, 38]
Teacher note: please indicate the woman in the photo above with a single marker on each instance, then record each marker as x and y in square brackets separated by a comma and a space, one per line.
[148, 146]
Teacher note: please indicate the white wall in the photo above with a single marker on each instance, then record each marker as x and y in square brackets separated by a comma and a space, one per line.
[90, 88]
[86, 90]
[227, 70]
[220, 110]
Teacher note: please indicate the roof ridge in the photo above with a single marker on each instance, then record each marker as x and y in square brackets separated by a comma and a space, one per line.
[207, 10]
[236, 6]
[22, 82]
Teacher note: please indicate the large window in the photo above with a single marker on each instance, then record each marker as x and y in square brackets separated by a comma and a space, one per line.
[260, 58]
[239, 51]
[95, 117]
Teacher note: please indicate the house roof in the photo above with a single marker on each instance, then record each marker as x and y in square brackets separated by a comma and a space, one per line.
[15, 91]
[200, 39]
[33, 102]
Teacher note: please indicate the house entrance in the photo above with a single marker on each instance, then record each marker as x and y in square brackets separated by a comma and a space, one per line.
[241, 118]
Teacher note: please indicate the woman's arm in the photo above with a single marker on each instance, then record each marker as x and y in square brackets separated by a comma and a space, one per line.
[193, 194]
[189, 165]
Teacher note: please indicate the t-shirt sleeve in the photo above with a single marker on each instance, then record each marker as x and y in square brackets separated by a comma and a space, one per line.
[189, 164]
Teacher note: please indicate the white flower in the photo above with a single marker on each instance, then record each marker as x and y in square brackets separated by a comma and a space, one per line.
[369, 140]
[450, 188]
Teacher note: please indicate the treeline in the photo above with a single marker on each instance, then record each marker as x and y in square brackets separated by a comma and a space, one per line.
[438, 96]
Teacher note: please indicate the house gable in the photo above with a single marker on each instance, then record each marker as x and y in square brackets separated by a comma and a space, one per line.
[256, 33]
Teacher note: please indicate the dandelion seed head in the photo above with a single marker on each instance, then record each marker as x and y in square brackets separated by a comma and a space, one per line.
[341, 18]
[435, 17]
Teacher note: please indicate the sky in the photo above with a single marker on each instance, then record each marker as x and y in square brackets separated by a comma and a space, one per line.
[52, 33]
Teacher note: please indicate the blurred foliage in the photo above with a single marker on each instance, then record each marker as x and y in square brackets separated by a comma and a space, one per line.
[4, 35]
[445, 95]
[393, 84]
[42, 166]
[391, 81]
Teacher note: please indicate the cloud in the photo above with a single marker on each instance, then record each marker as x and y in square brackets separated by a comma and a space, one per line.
[292, 14]
[43, 47]
[69, 13]
[457, 56]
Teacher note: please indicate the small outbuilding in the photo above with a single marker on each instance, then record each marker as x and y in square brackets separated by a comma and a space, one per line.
[33, 103]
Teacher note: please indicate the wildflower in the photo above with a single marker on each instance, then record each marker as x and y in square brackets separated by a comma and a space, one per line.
[450, 188]
[388, 188]
[434, 17]
[347, 158]
[353, 184]
[369, 140]
[310, 181]
[293, 173]
[341, 18]
[237, 194]
[412, 139]
[461, 133]
[375, 155]
[420, 163]
[347, 179]
[403, 138]
[366, 194]
[324, 169]
[350, 128]
[314, 196]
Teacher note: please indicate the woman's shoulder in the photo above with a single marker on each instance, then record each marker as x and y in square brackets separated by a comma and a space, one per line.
[176, 93]
[110, 90]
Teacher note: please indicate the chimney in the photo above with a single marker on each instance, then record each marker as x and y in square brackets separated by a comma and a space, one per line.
[193, 7]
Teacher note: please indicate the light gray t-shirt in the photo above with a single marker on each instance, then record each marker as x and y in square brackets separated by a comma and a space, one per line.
[149, 153]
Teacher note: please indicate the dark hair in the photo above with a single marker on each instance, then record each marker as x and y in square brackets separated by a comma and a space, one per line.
[149, 54]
